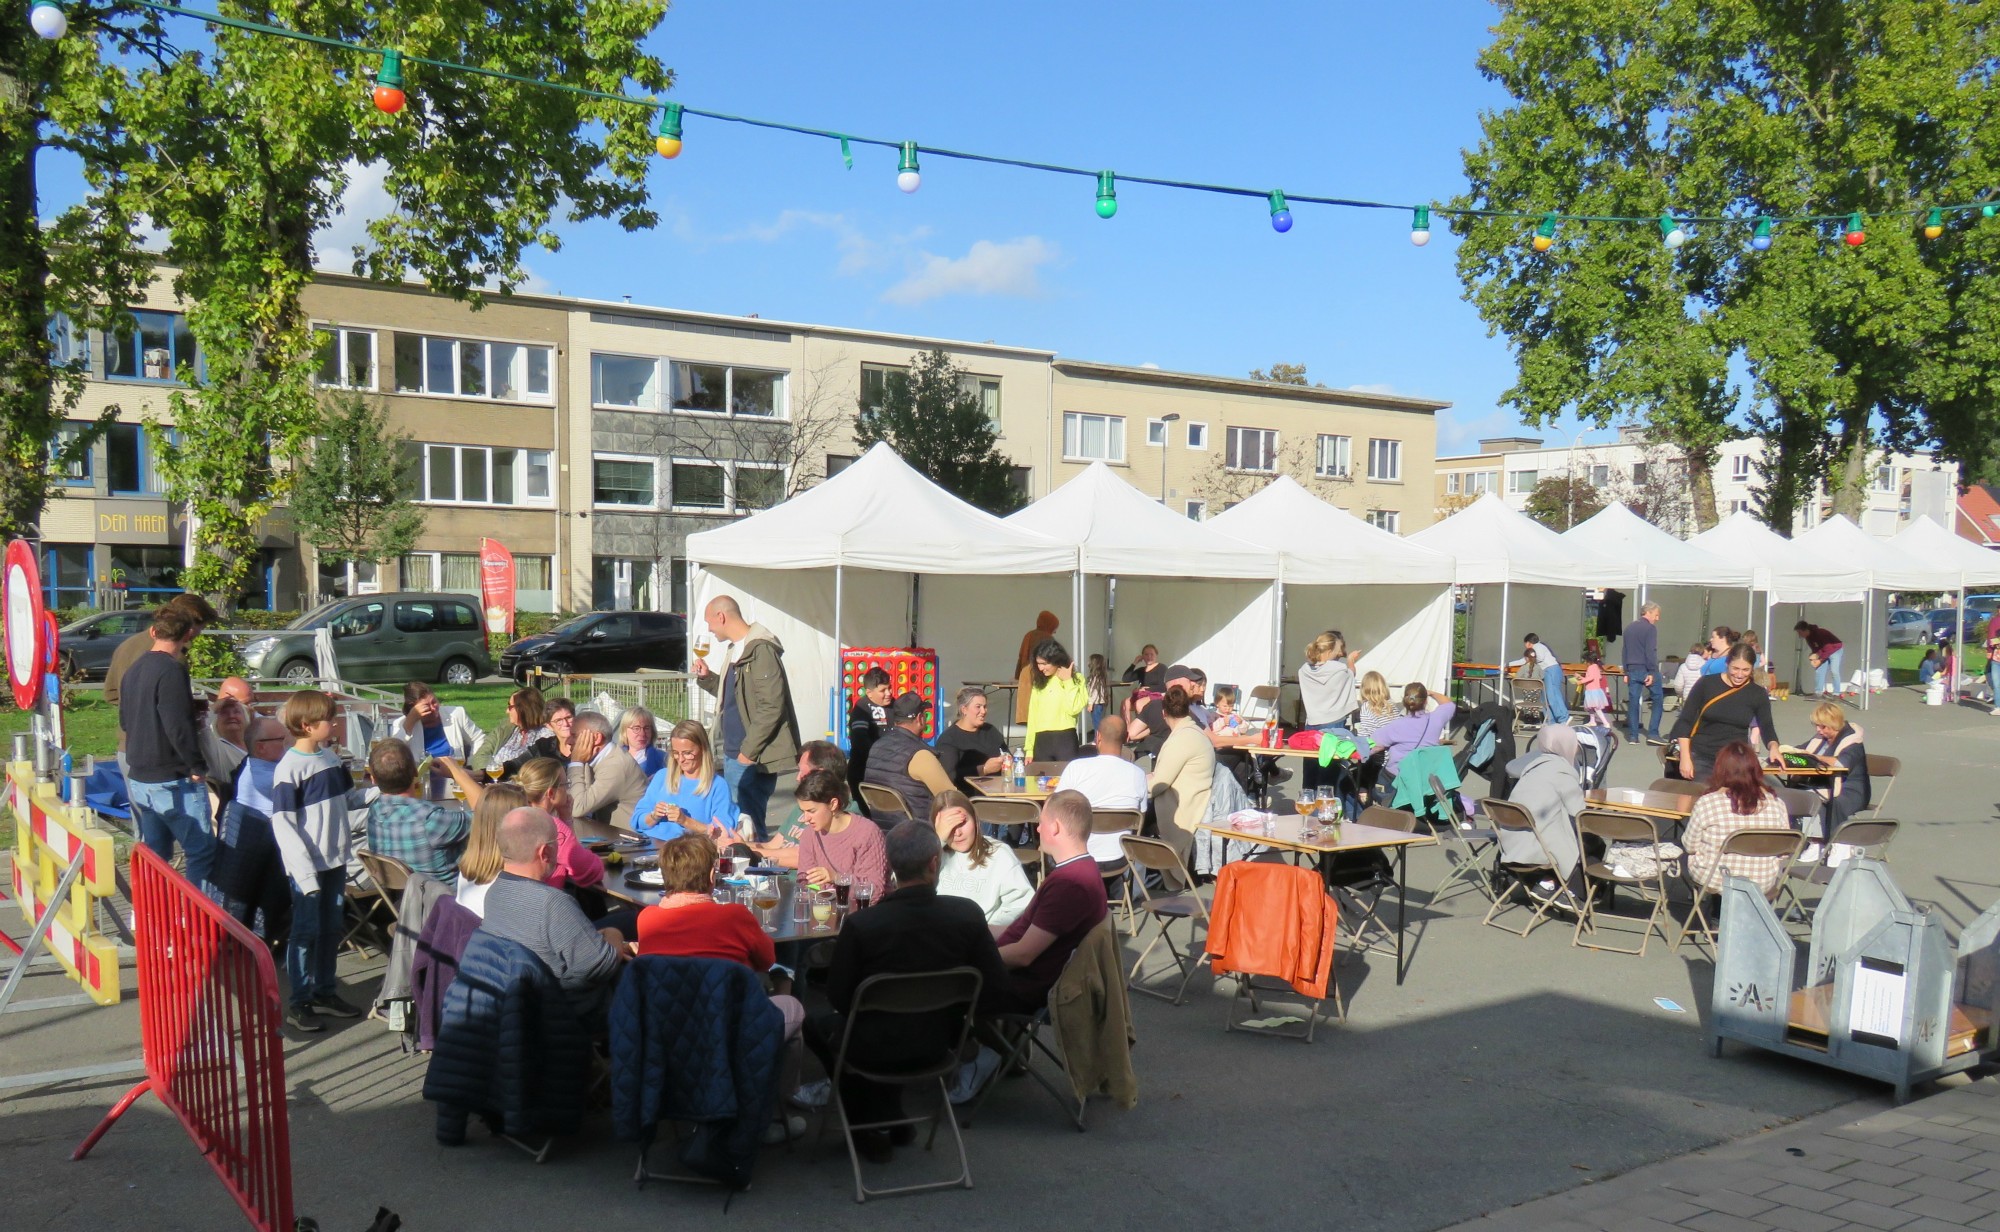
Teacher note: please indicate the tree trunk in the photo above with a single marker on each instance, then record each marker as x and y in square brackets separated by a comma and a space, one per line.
[1850, 478]
[1701, 487]
[26, 380]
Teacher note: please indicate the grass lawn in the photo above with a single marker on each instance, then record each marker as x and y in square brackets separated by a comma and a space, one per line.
[1903, 662]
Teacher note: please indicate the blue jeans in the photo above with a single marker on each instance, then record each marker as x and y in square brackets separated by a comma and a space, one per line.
[751, 787]
[1635, 691]
[176, 812]
[1555, 684]
[1828, 666]
[314, 944]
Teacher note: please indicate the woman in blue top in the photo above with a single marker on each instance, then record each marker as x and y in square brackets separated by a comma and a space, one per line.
[1720, 639]
[639, 735]
[688, 793]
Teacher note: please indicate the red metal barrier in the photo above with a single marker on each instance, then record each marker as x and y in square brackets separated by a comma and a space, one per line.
[209, 1022]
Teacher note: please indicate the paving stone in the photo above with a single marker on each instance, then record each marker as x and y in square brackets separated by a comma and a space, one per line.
[1940, 1208]
[1730, 1202]
[1869, 1215]
[1941, 1150]
[1792, 1219]
[1641, 1224]
[1939, 1133]
[1951, 1170]
[1939, 1187]
[1803, 1198]
[1881, 1174]
[1809, 1178]
[1932, 1225]
[1869, 1191]
[1718, 1221]
[1990, 1223]
[1664, 1208]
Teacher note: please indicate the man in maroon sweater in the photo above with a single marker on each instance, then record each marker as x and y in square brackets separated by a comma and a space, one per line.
[1068, 904]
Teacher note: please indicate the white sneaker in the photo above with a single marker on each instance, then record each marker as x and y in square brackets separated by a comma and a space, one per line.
[1995, 710]
[973, 1075]
[1810, 855]
[813, 1094]
[785, 1130]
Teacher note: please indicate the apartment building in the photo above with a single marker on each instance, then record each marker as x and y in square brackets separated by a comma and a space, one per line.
[591, 438]
[1901, 486]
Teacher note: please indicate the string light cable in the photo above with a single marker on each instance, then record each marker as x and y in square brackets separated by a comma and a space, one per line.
[49, 19]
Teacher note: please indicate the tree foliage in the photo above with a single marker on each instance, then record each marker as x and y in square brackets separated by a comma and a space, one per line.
[1561, 501]
[350, 498]
[938, 426]
[1284, 374]
[1708, 107]
[253, 144]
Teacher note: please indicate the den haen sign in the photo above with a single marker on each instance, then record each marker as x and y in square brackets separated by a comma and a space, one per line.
[134, 522]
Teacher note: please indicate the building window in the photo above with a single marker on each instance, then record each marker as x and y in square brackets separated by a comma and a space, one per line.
[1451, 484]
[621, 584]
[702, 486]
[1522, 482]
[1334, 457]
[67, 343]
[838, 462]
[1385, 459]
[75, 473]
[1385, 519]
[876, 381]
[481, 475]
[128, 461]
[1251, 449]
[69, 579]
[713, 389]
[463, 368]
[1599, 476]
[625, 381]
[677, 584]
[1639, 472]
[346, 358]
[1197, 436]
[533, 573]
[1885, 478]
[1739, 506]
[1482, 481]
[1093, 438]
[624, 481]
[1739, 468]
[152, 346]
[1197, 511]
[758, 487]
[987, 390]
[1157, 433]
[155, 571]
[455, 572]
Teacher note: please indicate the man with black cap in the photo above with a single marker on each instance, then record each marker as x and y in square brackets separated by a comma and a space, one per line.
[1149, 725]
[902, 762]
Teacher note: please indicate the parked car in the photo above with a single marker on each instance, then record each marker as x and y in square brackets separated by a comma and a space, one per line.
[84, 647]
[1982, 606]
[1908, 627]
[1945, 620]
[380, 639]
[601, 642]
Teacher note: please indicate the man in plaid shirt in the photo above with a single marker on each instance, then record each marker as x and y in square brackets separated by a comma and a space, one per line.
[427, 835]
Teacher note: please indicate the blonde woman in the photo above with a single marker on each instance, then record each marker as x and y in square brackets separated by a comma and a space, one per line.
[481, 861]
[688, 794]
[638, 734]
[1376, 707]
[975, 867]
[1326, 686]
[546, 782]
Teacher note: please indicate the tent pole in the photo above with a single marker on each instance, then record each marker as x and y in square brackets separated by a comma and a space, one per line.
[1868, 641]
[1506, 598]
[1278, 634]
[1958, 645]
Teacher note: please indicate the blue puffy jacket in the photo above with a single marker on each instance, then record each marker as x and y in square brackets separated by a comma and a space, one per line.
[510, 1046]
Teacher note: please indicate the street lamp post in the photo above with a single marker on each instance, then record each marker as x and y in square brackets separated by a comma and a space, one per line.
[1166, 437]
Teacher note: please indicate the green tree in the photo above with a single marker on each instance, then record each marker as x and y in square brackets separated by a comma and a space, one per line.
[82, 264]
[350, 499]
[1712, 107]
[254, 144]
[937, 425]
[1284, 374]
[1561, 501]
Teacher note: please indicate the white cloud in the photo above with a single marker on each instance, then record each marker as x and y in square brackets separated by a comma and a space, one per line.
[365, 199]
[1010, 267]
[1150, 364]
[1376, 387]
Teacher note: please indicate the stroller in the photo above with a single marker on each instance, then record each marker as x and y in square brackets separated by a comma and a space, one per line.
[1596, 746]
[1487, 745]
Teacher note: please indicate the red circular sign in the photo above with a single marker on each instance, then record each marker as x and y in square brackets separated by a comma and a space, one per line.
[26, 627]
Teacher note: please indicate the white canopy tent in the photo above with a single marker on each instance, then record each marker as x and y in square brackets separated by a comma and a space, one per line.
[1949, 556]
[1884, 568]
[1788, 572]
[1669, 569]
[1203, 597]
[840, 564]
[1393, 601]
[1541, 577]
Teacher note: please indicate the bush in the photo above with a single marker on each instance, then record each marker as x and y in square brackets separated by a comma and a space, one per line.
[210, 658]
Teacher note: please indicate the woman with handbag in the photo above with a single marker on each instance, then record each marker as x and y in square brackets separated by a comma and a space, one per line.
[1721, 709]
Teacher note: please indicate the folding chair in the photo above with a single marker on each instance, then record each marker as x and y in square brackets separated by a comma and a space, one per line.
[1871, 834]
[1882, 766]
[1262, 886]
[1674, 787]
[1016, 820]
[884, 805]
[1530, 703]
[1022, 1041]
[1766, 844]
[363, 933]
[916, 995]
[1611, 827]
[1805, 808]
[1261, 704]
[390, 876]
[1164, 910]
[1512, 818]
[1464, 846]
[1116, 873]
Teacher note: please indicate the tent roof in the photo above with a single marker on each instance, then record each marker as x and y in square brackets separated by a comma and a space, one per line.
[880, 513]
[1119, 530]
[1617, 532]
[1952, 555]
[1838, 539]
[1790, 570]
[1496, 544]
[1319, 545]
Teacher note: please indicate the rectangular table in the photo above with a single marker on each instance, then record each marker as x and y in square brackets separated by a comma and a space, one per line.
[1668, 806]
[1353, 837]
[993, 786]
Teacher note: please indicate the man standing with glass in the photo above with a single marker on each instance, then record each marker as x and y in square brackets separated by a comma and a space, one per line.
[1642, 672]
[755, 727]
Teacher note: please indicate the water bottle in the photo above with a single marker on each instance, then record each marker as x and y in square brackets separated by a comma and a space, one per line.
[1020, 770]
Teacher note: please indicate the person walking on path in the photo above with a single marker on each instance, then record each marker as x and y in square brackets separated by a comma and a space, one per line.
[755, 726]
[1642, 673]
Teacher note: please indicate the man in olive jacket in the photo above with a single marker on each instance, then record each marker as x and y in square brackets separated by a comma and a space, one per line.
[756, 733]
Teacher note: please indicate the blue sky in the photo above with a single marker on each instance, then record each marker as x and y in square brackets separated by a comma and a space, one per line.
[1370, 101]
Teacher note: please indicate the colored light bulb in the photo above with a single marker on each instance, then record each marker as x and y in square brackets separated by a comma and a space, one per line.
[667, 131]
[908, 177]
[1107, 194]
[1281, 213]
[1671, 232]
[1760, 239]
[1545, 234]
[1420, 226]
[1856, 236]
[1933, 224]
[389, 96]
[48, 19]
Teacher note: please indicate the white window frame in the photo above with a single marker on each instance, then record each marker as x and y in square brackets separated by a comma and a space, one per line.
[1197, 511]
[975, 384]
[782, 411]
[732, 504]
[522, 499]
[661, 375]
[1159, 434]
[736, 470]
[527, 396]
[1886, 470]
[435, 559]
[1385, 449]
[1451, 483]
[1595, 480]
[1269, 452]
[1739, 468]
[1114, 438]
[1477, 482]
[343, 338]
[1515, 486]
[618, 507]
[1343, 467]
[1390, 520]
[1197, 435]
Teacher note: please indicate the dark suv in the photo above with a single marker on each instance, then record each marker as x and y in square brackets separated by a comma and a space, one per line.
[381, 639]
[86, 645]
[601, 642]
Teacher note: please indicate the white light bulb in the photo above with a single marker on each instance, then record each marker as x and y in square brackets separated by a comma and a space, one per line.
[1676, 237]
[1420, 238]
[49, 20]
[908, 181]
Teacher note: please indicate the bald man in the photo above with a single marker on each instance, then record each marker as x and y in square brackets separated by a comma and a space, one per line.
[756, 736]
[523, 907]
[238, 688]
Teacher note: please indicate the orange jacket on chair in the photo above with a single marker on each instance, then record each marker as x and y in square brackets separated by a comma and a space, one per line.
[1275, 920]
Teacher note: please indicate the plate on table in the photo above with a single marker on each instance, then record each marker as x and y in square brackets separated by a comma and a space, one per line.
[646, 878]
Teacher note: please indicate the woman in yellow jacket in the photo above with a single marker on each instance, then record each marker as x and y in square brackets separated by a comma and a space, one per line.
[1059, 695]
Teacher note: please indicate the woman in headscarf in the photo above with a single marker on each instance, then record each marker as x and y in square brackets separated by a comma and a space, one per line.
[1024, 662]
[1546, 784]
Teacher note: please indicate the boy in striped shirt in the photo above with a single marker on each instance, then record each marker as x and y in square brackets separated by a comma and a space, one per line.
[309, 821]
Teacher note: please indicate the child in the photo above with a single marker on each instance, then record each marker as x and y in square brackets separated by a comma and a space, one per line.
[1691, 669]
[1227, 721]
[309, 824]
[1596, 698]
[866, 722]
[1097, 686]
[1927, 669]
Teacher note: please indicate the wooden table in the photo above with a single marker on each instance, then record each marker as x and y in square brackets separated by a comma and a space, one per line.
[1264, 784]
[778, 923]
[1353, 837]
[995, 786]
[1665, 805]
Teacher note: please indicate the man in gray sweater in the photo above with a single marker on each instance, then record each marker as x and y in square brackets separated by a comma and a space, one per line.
[1642, 672]
[524, 908]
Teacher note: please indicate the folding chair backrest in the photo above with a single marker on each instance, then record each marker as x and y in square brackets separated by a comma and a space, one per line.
[1763, 843]
[1883, 766]
[1154, 855]
[1389, 819]
[1798, 803]
[1446, 797]
[1673, 787]
[388, 873]
[1617, 827]
[883, 801]
[954, 990]
[1262, 702]
[994, 811]
[1116, 821]
[1506, 815]
[1872, 834]
[1052, 768]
